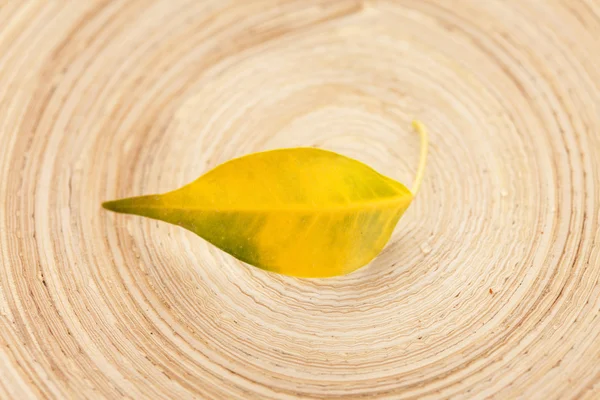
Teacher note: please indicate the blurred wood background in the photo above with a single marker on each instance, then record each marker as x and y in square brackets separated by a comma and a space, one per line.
[489, 287]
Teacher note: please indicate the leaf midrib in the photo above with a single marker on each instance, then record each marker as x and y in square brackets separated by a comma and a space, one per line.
[338, 208]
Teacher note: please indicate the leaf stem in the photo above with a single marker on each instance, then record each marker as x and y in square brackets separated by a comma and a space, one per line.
[422, 131]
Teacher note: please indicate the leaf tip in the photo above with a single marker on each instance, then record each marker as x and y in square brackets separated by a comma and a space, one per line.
[113, 205]
[140, 205]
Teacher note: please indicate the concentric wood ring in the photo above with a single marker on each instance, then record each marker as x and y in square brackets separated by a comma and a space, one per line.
[490, 286]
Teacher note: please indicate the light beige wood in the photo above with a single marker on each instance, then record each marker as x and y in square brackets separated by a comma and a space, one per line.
[488, 288]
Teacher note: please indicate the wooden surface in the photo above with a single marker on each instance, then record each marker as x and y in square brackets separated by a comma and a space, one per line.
[488, 288]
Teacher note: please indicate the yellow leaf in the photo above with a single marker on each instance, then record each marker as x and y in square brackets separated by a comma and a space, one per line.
[300, 211]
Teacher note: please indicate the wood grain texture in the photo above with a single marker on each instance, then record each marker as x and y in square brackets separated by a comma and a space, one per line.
[489, 287]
